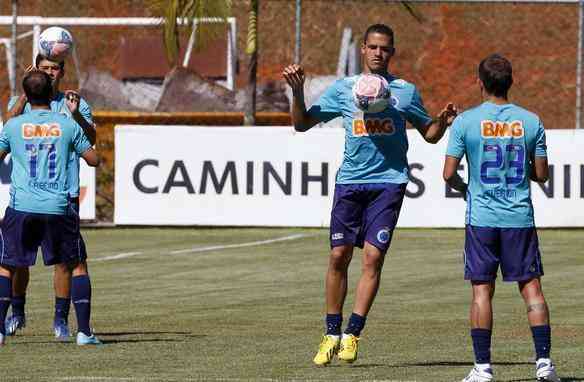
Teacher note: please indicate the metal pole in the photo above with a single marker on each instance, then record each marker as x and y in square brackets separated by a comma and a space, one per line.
[579, 67]
[12, 68]
[298, 45]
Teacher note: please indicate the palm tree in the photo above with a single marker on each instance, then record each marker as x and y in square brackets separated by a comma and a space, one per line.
[188, 10]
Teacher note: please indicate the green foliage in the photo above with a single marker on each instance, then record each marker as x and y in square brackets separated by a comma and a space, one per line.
[188, 10]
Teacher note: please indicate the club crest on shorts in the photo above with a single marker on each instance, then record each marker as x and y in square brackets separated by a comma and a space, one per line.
[383, 235]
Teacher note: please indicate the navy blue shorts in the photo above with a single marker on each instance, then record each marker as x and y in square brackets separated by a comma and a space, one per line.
[365, 212]
[23, 233]
[48, 247]
[515, 249]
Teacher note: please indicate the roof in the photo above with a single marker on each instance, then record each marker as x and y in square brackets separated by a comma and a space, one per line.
[145, 58]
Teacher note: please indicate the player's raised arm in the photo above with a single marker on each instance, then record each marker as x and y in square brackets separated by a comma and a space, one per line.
[294, 75]
[73, 101]
[434, 131]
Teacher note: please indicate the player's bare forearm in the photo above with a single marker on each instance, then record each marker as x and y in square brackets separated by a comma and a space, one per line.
[451, 175]
[300, 117]
[457, 183]
[539, 170]
[88, 128]
[18, 108]
[435, 130]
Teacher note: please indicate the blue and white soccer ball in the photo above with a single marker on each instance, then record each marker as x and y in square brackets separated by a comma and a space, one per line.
[55, 43]
[371, 93]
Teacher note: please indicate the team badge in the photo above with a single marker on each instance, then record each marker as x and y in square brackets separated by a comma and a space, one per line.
[383, 236]
[394, 101]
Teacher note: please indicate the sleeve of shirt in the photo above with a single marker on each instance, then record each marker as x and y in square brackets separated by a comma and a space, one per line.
[4, 140]
[415, 112]
[327, 107]
[540, 142]
[85, 110]
[80, 142]
[456, 146]
[11, 102]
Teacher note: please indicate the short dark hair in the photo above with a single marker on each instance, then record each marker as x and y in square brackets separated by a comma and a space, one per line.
[37, 87]
[496, 74]
[40, 57]
[379, 28]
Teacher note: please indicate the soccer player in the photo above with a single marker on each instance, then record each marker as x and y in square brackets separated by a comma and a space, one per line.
[41, 143]
[370, 184]
[505, 148]
[73, 106]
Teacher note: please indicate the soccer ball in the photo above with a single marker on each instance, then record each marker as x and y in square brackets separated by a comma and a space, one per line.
[371, 93]
[55, 43]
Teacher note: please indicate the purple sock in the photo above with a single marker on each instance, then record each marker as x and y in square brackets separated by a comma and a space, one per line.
[481, 343]
[62, 306]
[542, 339]
[5, 292]
[333, 324]
[18, 305]
[81, 297]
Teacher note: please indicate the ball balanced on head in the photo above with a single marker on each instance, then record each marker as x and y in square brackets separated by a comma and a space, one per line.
[55, 43]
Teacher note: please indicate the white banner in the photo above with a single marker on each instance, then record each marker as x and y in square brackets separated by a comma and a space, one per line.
[272, 176]
[86, 181]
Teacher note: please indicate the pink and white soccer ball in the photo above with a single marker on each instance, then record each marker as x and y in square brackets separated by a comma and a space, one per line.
[55, 43]
[371, 93]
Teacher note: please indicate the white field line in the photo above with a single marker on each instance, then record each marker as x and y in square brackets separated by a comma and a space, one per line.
[210, 248]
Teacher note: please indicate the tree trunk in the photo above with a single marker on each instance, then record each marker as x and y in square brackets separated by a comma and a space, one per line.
[252, 50]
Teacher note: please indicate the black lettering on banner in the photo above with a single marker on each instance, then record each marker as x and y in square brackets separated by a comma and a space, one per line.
[322, 178]
[567, 181]
[548, 187]
[417, 181]
[285, 186]
[229, 171]
[136, 176]
[177, 166]
[450, 192]
[249, 178]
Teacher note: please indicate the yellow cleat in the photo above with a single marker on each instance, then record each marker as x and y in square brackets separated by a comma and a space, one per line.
[349, 348]
[327, 349]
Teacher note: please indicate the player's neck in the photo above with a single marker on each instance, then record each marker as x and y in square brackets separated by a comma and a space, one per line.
[40, 107]
[496, 100]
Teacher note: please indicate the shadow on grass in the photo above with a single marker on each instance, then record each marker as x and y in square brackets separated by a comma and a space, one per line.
[142, 333]
[146, 336]
[457, 363]
[564, 379]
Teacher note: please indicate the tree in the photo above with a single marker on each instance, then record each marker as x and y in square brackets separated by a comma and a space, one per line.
[188, 10]
[252, 69]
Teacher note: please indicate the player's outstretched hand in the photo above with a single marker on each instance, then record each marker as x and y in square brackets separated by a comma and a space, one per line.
[294, 75]
[448, 114]
[72, 100]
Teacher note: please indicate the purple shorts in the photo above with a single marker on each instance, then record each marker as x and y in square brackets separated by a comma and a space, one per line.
[48, 247]
[515, 249]
[365, 212]
[24, 232]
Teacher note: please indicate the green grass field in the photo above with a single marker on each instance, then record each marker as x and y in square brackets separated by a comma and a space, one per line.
[169, 307]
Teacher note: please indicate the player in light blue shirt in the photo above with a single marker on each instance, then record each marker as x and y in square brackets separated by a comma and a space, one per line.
[71, 105]
[505, 148]
[370, 184]
[41, 143]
